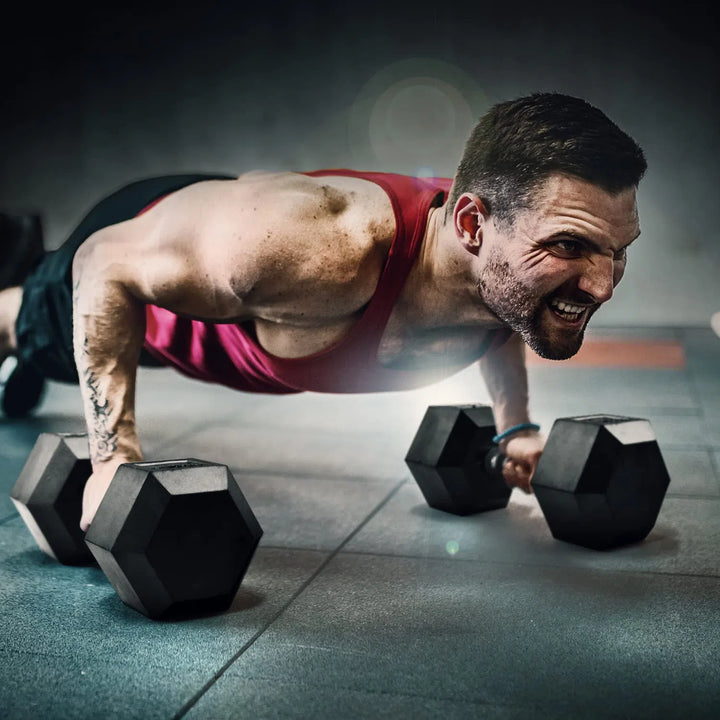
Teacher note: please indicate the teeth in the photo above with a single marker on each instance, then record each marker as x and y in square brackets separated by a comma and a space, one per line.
[566, 307]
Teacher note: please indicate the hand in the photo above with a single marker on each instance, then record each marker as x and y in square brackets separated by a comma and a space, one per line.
[96, 487]
[523, 452]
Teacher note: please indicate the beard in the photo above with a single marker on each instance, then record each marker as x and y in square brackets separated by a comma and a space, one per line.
[523, 309]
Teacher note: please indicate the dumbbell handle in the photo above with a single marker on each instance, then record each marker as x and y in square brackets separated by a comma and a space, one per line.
[494, 461]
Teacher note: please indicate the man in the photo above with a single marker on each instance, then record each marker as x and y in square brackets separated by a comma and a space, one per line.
[339, 281]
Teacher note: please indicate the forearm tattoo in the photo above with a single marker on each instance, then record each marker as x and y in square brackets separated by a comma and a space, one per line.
[102, 439]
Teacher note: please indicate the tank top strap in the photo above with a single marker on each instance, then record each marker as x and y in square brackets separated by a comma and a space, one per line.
[411, 199]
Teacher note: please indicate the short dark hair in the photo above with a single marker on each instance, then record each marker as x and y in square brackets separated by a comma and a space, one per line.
[518, 143]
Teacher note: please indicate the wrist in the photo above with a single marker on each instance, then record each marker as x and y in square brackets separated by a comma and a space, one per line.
[520, 430]
[526, 427]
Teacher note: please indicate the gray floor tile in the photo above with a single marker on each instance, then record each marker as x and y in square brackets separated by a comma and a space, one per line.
[702, 349]
[61, 612]
[715, 461]
[689, 432]
[306, 513]
[294, 453]
[684, 539]
[11, 468]
[109, 687]
[706, 389]
[604, 389]
[235, 696]
[556, 640]
[62, 399]
[482, 617]
[709, 409]
[691, 473]
[711, 428]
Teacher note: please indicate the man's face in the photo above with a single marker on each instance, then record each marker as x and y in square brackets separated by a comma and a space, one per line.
[548, 273]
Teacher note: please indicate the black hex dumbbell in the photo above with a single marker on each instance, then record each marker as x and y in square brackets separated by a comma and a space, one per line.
[600, 482]
[455, 462]
[172, 537]
[48, 495]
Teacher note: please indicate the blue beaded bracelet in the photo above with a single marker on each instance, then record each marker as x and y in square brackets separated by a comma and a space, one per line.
[515, 429]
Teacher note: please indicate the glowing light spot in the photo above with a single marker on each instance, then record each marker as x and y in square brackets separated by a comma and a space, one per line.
[419, 109]
[452, 547]
[715, 323]
[425, 172]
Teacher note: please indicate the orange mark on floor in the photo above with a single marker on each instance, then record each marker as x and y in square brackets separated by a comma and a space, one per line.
[609, 352]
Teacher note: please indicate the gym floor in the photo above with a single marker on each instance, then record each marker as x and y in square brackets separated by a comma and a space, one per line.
[361, 602]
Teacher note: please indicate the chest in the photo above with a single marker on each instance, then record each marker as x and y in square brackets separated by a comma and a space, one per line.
[408, 347]
[402, 346]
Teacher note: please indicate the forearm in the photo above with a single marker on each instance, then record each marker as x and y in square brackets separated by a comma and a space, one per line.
[505, 375]
[108, 332]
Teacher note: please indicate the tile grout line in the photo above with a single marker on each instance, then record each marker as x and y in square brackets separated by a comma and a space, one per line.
[8, 518]
[194, 700]
[692, 496]
[288, 474]
[715, 465]
[699, 402]
[628, 571]
[189, 432]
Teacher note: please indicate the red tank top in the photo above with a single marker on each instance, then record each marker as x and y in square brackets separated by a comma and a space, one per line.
[229, 354]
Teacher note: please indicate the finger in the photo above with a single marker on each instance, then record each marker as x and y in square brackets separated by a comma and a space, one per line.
[517, 475]
[511, 474]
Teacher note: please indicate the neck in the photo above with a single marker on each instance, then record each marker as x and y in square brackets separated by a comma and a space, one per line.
[441, 289]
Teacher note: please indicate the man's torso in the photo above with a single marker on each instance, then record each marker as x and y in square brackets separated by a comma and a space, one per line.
[325, 310]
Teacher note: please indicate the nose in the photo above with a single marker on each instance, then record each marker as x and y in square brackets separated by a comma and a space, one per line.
[598, 279]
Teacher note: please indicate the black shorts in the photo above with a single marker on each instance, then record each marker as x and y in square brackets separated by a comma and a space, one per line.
[44, 324]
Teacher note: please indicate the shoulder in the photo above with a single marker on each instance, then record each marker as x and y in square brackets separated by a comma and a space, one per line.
[275, 237]
[275, 197]
[332, 229]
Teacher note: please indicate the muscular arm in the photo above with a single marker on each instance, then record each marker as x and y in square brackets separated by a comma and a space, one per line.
[217, 251]
[108, 333]
[149, 259]
[505, 375]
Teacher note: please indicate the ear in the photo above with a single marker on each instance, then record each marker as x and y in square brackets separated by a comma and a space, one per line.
[469, 218]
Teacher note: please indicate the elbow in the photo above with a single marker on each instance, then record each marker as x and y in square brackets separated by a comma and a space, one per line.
[84, 255]
[91, 259]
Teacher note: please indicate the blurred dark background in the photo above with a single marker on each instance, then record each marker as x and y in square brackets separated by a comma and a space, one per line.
[96, 96]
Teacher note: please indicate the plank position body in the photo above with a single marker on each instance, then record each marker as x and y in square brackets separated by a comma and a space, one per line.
[355, 282]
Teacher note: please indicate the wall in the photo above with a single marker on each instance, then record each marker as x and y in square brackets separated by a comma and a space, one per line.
[98, 96]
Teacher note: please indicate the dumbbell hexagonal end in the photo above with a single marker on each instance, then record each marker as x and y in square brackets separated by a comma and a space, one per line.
[175, 536]
[48, 495]
[601, 480]
[447, 460]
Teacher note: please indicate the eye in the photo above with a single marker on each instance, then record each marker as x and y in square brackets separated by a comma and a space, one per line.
[566, 248]
[621, 255]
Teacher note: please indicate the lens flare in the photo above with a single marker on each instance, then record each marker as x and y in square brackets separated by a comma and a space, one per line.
[715, 323]
[420, 108]
[452, 547]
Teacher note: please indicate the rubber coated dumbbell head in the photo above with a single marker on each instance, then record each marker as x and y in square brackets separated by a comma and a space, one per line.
[48, 495]
[174, 536]
[601, 480]
[448, 456]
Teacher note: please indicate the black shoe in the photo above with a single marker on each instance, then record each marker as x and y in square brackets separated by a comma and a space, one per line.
[22, 390]
[21, 244]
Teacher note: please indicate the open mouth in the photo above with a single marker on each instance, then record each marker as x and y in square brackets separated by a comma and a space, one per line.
[568, 311]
